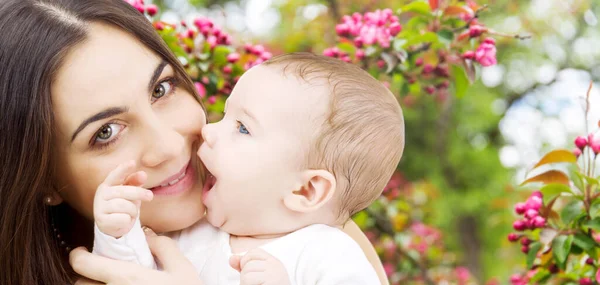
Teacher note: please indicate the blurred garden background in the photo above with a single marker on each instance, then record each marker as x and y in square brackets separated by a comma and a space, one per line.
[487, 88]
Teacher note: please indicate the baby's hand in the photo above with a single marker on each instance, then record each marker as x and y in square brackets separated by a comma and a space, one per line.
[118, 199]
[258, 267]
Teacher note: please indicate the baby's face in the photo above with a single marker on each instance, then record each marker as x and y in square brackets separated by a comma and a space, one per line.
[257, 151]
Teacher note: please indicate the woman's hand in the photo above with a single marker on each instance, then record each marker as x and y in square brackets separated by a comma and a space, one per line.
[176, 268]
[352, 229]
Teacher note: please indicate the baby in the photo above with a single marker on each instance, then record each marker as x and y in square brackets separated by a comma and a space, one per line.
[306, 142]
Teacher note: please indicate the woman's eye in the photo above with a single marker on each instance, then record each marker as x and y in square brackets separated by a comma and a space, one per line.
[107, 132]
[162, 89]
[242, 129]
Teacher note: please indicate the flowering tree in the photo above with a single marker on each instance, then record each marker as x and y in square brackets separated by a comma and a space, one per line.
[422, 51]
[560, 226]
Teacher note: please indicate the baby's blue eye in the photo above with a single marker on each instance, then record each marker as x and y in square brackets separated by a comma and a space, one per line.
[242, 129]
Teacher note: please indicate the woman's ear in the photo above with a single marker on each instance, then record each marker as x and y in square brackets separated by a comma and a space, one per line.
[315, 190]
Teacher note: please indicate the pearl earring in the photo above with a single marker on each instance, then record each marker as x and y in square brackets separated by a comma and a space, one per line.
[49, 200]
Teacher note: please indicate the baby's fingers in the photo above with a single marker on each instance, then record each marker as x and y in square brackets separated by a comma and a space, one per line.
[131, 193]
[121, 206]
[119, 174]
[116, 224]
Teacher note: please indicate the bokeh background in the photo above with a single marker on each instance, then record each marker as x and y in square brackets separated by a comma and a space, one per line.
[446, 214]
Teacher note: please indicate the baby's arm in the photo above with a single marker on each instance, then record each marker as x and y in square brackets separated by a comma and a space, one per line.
[117, 232]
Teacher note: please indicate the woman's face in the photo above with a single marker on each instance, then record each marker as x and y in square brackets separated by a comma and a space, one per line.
[114, 100]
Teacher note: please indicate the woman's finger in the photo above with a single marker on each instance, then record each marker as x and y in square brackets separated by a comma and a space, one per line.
[131, 193]
[118, 175]
[90, 265]
[234, 262]
[168, 254]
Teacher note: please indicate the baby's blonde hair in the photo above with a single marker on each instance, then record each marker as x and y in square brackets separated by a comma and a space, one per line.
[362, 138]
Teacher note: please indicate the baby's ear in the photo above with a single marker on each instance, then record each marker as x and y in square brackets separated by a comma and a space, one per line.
[315, 190]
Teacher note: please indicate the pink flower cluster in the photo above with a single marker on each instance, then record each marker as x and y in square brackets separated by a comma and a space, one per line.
[374, 27]
[151, 9]
[378, 27]
[581, 142]
[485, 53]
[214, 35]
[532, 219]
[259, 51]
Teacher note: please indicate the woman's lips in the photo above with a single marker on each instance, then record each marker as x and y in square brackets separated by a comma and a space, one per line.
[179, 184]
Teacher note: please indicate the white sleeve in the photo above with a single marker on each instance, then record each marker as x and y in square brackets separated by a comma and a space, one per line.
[337, 260]
[130, 247]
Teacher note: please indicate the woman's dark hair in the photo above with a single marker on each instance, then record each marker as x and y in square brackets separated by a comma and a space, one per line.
[35, 37]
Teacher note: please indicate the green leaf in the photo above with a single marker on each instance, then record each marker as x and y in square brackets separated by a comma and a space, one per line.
[445, 36]
[595, 209]
[592, 224]
[461, 82]
[533, 250]
[576, 177]
[541, 276]
[347, 47]
[398, 44]
[429, 37]
[552, 191]
[585, 242]
[570, 211]
[220, 55]
[561, 246]
[420, 7]
[591, 181]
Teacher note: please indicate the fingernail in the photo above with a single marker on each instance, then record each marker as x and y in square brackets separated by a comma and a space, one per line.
[148, 231]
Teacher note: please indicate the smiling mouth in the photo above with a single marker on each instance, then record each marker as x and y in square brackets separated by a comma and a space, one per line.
[177, 183]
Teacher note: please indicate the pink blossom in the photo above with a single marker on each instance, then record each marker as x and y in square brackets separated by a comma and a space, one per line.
[486, 54]
[389, 269]
[200, 88]
[581, 142]
[577, 152]
[462, 274]
[212, 100]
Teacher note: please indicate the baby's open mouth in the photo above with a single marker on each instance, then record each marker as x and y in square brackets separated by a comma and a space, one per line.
[211, 180]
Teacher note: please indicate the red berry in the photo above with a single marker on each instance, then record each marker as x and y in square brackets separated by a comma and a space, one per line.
[428, 68]
[520, 225]
[491, 41]
[444, 85]
[539, 222]
[469, 54]
[476, 31]
[140, 7]
[538, 194]
[553, 268]
[381, 63]
[525, 241]
[589, 261]
[227, 69]
[359, 42]
[159, 26]
[395, 29]
[531, 213]
[520, 208]
[419, 62]
[525, 249]
[360, 54]
[512, 237]
[581, 142]
[342, 29]
[233, 57]
[152, 9]
[577, 152]
[585, 281]
[430, 89]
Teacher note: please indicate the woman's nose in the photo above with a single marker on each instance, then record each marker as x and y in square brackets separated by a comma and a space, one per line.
[163, 144]
[209, 134]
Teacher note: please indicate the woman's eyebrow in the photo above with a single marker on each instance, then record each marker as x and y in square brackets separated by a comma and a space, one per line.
[113, 111]
[107, 113]
[157, 72]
